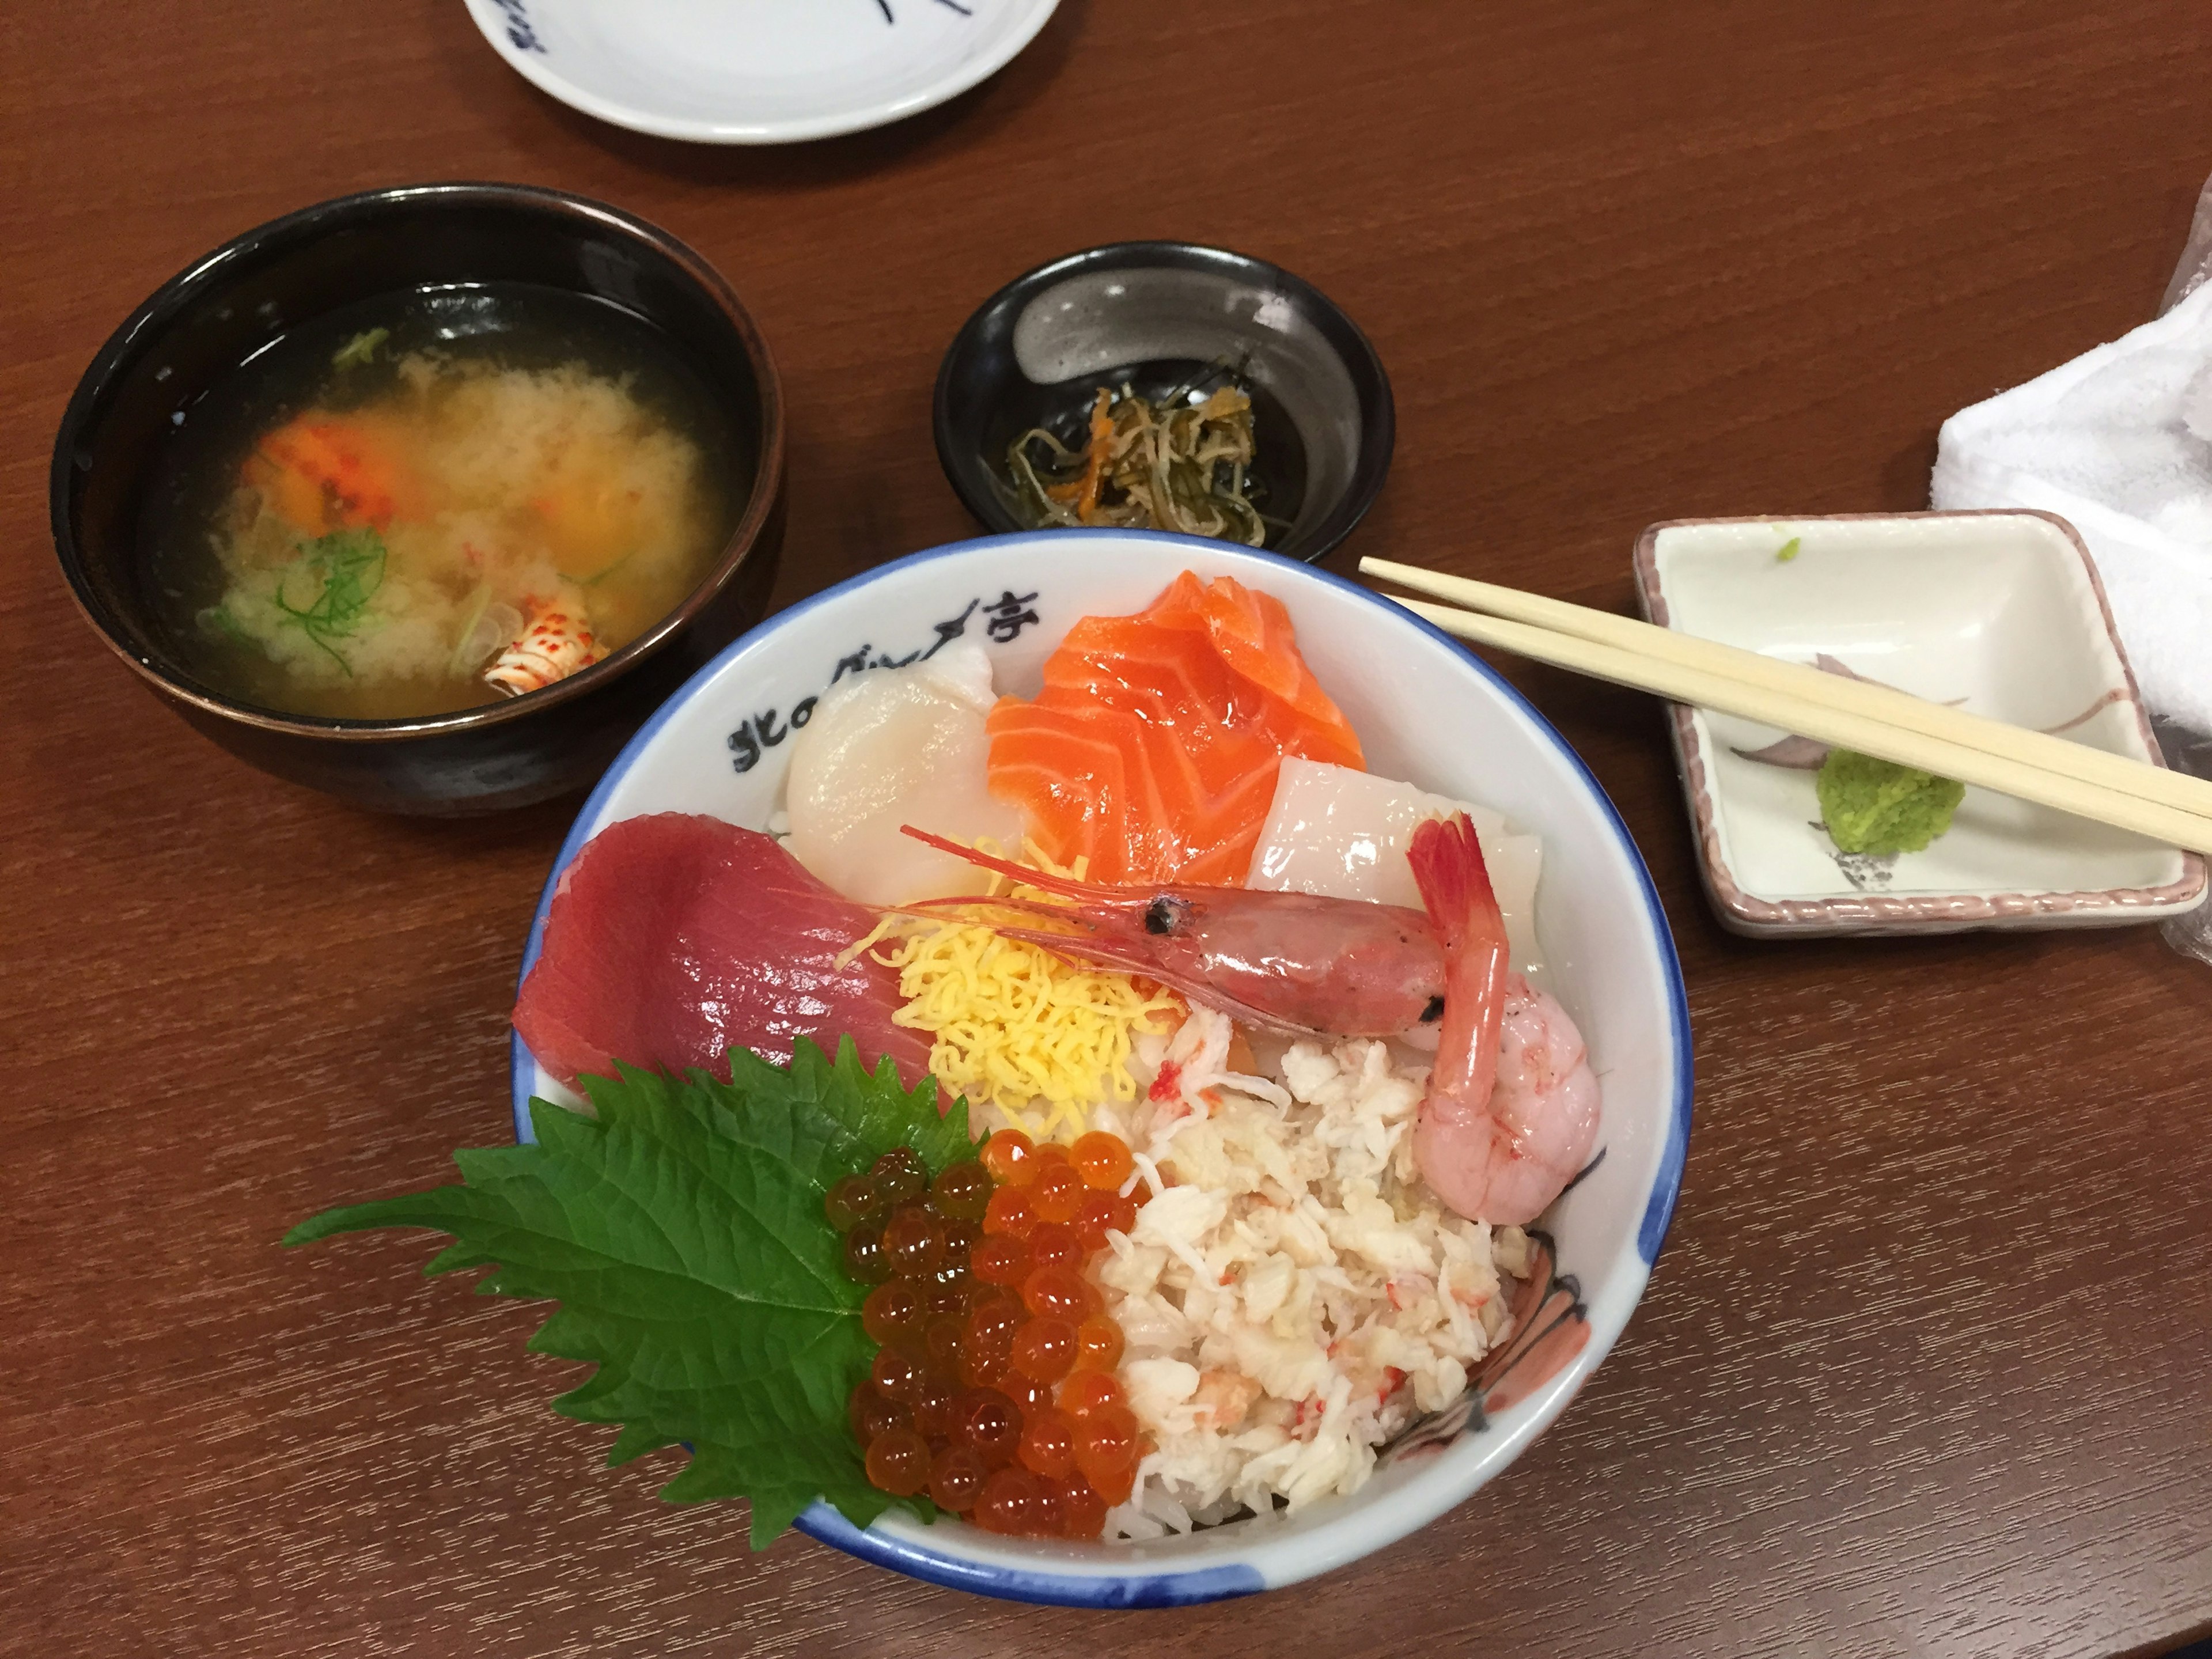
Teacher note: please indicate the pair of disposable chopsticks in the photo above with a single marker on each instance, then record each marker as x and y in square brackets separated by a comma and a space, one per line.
[1875, 719]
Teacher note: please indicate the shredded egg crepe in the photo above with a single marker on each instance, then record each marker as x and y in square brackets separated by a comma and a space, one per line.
[1012, 1024]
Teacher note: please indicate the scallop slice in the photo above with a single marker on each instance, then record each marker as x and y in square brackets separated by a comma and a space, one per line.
[895, 746]
[1344, 834]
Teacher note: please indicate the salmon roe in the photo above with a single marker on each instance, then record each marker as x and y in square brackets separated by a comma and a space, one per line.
[992, 1389]
[1052, 1245]
[1011, 1157]
[1030, 1396]
[1102, 1160]
[1044, 1349]
[1082, 1511]
[1008, 1215]
[1103, 1212]
[1047, 1445]
[1087, 1392]
[1001, 1258]
[1097, 1344]
[1057, 1194]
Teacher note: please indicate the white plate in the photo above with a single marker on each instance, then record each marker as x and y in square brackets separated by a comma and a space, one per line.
[2000, 613]
[757, 71]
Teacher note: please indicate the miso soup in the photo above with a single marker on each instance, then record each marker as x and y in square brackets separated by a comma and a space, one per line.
[436, 500]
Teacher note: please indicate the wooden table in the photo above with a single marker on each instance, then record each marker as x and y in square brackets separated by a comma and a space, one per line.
[1922, 1367]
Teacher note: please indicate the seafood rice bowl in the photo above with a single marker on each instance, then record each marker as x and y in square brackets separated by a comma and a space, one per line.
[1321, 1029]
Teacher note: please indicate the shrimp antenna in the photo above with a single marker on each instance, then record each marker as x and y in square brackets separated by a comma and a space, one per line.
[1044, 883]
[938, 909]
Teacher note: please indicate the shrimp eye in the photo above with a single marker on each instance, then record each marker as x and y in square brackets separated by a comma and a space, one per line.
[1164, 915]
[1435, 1010]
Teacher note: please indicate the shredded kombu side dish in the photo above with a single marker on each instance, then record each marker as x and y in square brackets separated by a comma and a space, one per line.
[1173, 465]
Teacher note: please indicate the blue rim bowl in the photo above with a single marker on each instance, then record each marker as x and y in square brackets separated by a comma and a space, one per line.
[1605, 934]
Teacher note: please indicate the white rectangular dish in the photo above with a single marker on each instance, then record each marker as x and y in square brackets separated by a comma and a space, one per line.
[2000, 613]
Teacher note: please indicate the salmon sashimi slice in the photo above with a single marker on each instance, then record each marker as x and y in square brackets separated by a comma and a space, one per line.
[1251, 633]
[1126, 797]
[675, 938]
[1152, 748]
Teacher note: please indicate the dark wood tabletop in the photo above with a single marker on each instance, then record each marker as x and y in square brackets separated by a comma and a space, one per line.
[1922, 1367]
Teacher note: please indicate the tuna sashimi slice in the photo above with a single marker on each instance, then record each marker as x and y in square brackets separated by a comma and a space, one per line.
[674, 938]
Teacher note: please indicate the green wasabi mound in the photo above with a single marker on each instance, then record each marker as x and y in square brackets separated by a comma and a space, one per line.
[1878, 806]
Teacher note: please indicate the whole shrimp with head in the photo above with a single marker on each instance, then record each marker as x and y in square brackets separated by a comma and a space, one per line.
[1511, 1111]
[1512, 1106]
[1294, 962]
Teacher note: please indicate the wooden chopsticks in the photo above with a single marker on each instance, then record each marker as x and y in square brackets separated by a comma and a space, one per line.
[1875, 719]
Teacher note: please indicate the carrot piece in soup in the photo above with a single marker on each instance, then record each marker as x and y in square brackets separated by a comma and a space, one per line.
[321, 476]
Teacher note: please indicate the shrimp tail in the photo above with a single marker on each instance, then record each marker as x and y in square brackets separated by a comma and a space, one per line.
[1457, 1145]
[555, 642]
[1455, 882]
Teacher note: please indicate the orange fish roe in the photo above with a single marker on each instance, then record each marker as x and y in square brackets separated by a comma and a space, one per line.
[1102, 1160]
[992, 1389]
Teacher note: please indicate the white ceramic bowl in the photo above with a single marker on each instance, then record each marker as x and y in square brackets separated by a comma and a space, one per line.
[1426, 710]
[757, 71]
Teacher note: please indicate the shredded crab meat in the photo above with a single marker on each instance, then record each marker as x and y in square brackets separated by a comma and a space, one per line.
[1291, 1296]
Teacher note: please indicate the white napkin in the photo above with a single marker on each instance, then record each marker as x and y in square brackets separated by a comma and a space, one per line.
[2119, 443]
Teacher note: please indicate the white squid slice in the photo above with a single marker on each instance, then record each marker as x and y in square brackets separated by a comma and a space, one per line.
[1344, 834]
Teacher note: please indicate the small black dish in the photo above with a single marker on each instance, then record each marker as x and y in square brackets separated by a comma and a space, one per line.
[224, 309]
[1160, 316]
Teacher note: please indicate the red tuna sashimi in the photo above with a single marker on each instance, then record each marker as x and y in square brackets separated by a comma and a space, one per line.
[674, 938]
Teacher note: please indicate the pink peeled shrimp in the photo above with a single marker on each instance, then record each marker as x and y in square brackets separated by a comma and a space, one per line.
[1512, 1107]
[555, 642]
[1289, 962]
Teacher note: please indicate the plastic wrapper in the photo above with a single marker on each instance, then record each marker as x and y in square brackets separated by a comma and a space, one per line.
[2196, 263]
[2187, 750]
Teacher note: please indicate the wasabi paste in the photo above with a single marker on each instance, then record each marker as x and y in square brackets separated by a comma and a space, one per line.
[1878, 806]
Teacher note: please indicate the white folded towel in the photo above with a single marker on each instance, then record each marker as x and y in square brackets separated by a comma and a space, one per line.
[2119, 442]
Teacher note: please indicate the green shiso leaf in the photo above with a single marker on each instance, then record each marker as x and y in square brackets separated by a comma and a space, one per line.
[1878, 806]
[681, 1229]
